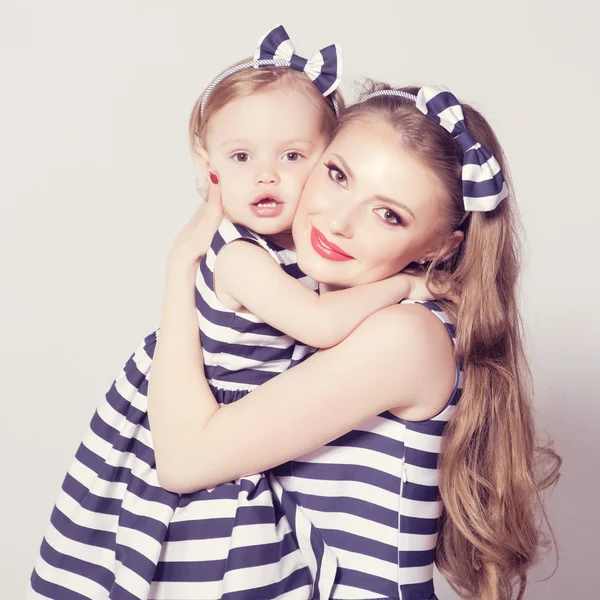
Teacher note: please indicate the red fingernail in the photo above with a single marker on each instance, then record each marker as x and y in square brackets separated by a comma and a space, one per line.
[214, 177]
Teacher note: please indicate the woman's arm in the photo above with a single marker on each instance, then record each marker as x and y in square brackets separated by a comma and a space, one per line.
[389, 361]
[245, 273]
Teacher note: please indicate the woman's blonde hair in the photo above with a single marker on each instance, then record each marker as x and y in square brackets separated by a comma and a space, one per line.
[252, 80]
[491, 473]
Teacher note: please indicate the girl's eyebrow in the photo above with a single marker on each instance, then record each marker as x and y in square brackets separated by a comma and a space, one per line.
[293, 141]
[236, 142]
[290, 142]
[345, 165]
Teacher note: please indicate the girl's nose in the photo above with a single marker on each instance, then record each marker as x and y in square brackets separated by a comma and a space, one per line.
[267, 174]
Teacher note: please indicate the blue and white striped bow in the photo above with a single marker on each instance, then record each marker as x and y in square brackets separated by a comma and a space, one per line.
[324, 68]
[276, 50]
[483, 183]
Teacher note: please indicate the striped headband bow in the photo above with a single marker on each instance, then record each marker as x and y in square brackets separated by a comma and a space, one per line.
[275, 49]
[483, 183]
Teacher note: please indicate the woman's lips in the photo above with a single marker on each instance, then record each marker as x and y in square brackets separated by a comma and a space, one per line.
[326, 248]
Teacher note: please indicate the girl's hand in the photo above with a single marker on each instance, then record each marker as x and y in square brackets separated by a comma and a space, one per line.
[193, 241]
[418, 289]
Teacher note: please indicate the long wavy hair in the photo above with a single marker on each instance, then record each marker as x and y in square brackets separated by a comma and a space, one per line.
[491, 472]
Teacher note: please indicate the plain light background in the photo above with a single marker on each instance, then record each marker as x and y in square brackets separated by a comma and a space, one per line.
[96, 179]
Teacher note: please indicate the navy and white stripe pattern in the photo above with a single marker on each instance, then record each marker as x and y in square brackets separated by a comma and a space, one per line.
[106, 530]
[115, 533]
[324, 68]
[275, 49]
[241, 351]
[357, 518]
[373, 495]
[484, 186]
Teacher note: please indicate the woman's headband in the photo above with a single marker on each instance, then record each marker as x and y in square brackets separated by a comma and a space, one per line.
[275, 49]
[483, 183]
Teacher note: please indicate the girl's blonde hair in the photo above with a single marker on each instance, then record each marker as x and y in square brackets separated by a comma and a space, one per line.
[252, 80]
[491, 473]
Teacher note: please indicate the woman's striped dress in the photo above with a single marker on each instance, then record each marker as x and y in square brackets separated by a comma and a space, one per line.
[373, 496]
[355, 519]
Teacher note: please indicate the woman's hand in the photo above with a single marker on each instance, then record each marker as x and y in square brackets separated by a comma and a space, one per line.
[177, 370]
[193, 241]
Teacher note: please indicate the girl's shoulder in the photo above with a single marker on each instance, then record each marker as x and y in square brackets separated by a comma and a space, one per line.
[228, 232]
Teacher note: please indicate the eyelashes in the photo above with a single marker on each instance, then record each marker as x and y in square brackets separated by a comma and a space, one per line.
[386, 215]
[290, 156]
[336, 174]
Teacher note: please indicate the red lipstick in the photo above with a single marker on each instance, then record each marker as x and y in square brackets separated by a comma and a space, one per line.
[326, 248]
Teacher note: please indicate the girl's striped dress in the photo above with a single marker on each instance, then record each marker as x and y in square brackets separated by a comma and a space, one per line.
[356, 519]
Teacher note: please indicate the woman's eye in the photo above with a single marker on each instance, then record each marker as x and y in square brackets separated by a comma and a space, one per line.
[336, 175]
[241, 157]
[293, 156]
[388, 216]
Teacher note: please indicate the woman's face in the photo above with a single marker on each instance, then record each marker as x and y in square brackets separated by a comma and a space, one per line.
[369, 208]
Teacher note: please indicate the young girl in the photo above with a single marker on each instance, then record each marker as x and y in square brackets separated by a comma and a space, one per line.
[258, 133]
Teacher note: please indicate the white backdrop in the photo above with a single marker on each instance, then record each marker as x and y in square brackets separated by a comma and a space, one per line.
[96, 179]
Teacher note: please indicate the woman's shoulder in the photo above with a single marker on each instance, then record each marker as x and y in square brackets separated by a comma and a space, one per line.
[420, 324]
[413, 342]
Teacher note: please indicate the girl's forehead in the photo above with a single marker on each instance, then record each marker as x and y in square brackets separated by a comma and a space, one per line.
[276, 113]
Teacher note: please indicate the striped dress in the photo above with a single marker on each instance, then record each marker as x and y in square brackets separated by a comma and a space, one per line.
[373, 496]
[355, 519]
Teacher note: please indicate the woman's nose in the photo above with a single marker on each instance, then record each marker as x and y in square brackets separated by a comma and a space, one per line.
[341, 221]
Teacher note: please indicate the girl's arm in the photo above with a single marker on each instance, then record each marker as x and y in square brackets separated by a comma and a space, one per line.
[246, 273]
[399, 357]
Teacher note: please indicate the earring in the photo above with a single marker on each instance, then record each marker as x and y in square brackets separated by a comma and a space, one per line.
[422, 261]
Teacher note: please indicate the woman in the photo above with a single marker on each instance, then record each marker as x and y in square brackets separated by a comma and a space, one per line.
[406, 181]
[328, 478]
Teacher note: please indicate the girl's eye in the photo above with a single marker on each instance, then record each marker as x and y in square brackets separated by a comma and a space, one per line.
[388, 216]
[241, 157]
[336, 174]
[293, 156]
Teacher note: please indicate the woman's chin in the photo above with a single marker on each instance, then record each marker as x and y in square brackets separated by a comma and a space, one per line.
[322, 270]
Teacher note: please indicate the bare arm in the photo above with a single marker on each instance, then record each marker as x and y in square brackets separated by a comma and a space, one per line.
[246, 273]
[387, 362]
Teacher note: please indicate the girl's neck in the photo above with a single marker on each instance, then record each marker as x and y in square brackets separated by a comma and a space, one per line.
[329, 287]
[283, 239]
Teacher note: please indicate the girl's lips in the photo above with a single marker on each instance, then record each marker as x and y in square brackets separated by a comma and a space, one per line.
[326, 248]
[267, 205]
[268, 209]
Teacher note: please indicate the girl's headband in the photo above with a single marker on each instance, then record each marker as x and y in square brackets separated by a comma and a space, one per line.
[483, 183]
[275, 49]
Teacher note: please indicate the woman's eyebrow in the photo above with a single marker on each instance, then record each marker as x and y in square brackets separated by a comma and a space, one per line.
[397, 203]
[345, 165]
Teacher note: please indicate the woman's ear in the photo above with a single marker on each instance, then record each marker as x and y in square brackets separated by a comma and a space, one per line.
[451, 244]
[447, 248]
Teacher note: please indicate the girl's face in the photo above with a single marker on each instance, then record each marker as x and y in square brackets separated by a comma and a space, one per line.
[368, 210]
[263, 148]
